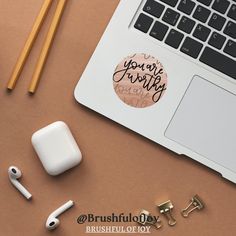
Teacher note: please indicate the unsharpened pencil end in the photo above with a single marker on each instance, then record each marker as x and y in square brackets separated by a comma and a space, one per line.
[11, 85]
[31, 90]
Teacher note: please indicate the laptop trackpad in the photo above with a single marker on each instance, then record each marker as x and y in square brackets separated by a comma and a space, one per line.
[205, 122]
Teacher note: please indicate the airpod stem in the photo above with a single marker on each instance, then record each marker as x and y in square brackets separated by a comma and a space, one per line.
[62, 209]
[22, 189]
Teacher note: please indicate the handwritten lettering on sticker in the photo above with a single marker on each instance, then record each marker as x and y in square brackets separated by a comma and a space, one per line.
[140, 80]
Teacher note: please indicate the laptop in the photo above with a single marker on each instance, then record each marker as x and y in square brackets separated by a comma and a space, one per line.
[166, 69]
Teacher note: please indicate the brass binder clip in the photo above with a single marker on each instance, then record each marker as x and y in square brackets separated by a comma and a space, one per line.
[145, 218]
[197, 204]
[165, 208]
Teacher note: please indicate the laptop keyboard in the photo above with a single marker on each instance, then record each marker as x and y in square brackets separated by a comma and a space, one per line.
[202, 29]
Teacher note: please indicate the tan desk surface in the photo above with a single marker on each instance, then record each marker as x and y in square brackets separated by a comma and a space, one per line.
[121, 171]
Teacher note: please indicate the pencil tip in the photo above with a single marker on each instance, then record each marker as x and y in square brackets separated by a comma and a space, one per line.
[9, 89]
[31, 93]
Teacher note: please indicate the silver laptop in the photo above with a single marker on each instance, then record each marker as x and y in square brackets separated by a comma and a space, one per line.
[166, 69]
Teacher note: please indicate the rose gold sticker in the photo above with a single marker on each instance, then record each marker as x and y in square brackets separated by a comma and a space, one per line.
[140, 80]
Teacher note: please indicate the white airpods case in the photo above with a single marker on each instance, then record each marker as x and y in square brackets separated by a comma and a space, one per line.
[56, 148]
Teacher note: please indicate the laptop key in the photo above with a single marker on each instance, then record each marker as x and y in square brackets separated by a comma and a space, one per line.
[219, 62]
[221, 5]
[154, 8]
[186, 24]
[201, 14]
[206, 2]
[232, 12]
[201, 32]
[172, 3]
[171, 17]
[217, 40]
[186, 6]
[174, 38]
[230, 29]
[216, 21]
[230, 48]
[143, 23]
[191, 47]
[159, 30]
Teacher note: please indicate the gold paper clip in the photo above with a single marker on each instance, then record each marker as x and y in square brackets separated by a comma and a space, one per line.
[197, 204]
[165, 208]
[145, 218]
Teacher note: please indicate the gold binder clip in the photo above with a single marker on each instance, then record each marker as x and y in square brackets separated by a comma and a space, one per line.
[166, 208]
[145, 218]
[197, 204]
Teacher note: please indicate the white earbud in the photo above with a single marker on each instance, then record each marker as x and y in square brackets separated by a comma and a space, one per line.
[14, 174]
[52, 221]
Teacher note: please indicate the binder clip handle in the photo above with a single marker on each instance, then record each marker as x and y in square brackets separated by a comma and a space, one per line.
[170, 218]
[156, 223]
[195, 203]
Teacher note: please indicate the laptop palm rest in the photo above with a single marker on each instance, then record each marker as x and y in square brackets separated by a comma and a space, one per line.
[205, 122]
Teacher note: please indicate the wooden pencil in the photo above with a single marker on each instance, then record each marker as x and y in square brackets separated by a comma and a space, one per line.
[46, 46]
[28, 45]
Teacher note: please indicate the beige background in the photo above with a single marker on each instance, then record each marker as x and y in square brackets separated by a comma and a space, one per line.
[121, 171]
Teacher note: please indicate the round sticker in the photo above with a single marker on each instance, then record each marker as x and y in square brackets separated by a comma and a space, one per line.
[140, 80]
